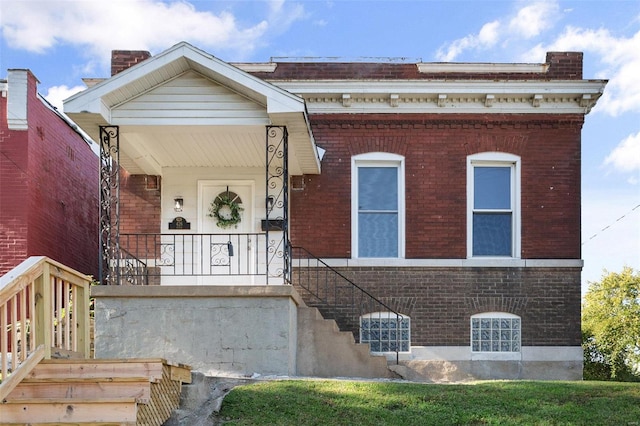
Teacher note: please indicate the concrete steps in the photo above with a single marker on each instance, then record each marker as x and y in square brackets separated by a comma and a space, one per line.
[325, 351]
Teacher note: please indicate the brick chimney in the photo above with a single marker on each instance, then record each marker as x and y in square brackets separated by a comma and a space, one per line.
[123, 59]
[565, 65]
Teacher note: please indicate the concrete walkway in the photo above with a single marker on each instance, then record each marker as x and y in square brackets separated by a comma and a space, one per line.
[201, 400]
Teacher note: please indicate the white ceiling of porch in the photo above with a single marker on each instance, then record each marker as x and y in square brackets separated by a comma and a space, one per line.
[148, 150]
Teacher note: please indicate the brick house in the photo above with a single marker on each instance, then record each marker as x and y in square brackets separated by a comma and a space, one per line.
[447, 195]
[48, 181]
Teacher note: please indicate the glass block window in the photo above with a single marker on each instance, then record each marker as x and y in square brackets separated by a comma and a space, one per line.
[495, 333]
[385, 332]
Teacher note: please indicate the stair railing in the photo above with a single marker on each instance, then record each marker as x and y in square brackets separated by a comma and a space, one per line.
[339, 298]
[133, 271]
[44, 311]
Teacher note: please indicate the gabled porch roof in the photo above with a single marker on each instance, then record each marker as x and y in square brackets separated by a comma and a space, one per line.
[186, 108]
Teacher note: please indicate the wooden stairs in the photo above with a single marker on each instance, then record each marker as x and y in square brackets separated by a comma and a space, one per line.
[96, 392]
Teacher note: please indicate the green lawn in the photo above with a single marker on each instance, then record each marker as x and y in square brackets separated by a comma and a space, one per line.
[327, 402]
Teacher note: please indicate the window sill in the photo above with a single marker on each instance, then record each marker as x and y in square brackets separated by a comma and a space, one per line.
[458, 263]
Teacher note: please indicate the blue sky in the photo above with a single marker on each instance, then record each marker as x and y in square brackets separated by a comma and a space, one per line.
[61, 41]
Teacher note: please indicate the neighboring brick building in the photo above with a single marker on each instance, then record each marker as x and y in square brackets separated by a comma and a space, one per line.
[48, 181]
[451, 192]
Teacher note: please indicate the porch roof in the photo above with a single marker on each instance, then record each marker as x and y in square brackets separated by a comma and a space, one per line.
[186, 108]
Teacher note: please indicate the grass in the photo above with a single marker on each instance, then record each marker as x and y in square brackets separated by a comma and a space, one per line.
[326, 402]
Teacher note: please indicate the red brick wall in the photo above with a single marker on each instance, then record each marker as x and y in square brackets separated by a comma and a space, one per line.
[565, 65]
[435, 148]
[440, 301]
[49, 190]
[139, 204]
[13, 193]
[123, 59]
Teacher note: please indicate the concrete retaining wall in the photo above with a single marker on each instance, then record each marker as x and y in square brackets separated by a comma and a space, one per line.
[217, 330]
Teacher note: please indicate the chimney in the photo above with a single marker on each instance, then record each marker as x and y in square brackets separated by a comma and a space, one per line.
[124, 59]
[565, 65]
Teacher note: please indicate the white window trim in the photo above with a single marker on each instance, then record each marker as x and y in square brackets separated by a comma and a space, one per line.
[380, 159]
[496, 159]
[498, 356]
[386, 315]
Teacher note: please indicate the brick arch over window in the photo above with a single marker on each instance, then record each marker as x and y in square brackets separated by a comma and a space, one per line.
[400, 304]
[514, 305]
[496, 143]
[392, 145]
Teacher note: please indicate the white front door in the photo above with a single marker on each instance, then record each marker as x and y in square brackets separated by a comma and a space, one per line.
[228, 249]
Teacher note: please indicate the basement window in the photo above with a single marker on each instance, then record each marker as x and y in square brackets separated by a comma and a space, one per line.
[386, 332]
[495, 332]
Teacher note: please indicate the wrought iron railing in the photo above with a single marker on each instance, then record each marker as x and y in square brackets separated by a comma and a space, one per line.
[352, 307]
[131, 269]
[145, 257]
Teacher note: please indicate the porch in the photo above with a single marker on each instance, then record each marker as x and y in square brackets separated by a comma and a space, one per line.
[218, 146]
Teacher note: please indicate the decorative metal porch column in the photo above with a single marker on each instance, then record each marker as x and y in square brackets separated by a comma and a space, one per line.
[109, 204]
[277, 204]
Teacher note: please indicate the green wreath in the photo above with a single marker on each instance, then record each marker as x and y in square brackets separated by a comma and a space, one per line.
[226, 211]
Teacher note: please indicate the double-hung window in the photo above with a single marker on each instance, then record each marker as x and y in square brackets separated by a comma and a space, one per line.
[377, 205]
[493, 193]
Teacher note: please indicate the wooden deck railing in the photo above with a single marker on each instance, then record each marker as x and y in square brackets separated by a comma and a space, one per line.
[44, 310]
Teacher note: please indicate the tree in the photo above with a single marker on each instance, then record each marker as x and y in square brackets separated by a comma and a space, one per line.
[611, 327]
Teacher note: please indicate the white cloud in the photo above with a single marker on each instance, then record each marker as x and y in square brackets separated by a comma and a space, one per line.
[528, 22]
[531, 20]
[56, 94]
[101, 26]
[486, 37]
[626, 156]
[620, 57]
[283, 14]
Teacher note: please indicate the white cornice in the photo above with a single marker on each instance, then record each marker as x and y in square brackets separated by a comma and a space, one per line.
[441, 96]
[430, 67]
[256, 67]
[481, 68]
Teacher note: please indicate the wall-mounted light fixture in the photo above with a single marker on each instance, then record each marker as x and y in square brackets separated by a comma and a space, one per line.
[270, 202]
[178, 204]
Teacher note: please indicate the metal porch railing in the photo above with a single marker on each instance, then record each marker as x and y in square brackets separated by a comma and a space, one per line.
[143, 258]
[353, 308]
